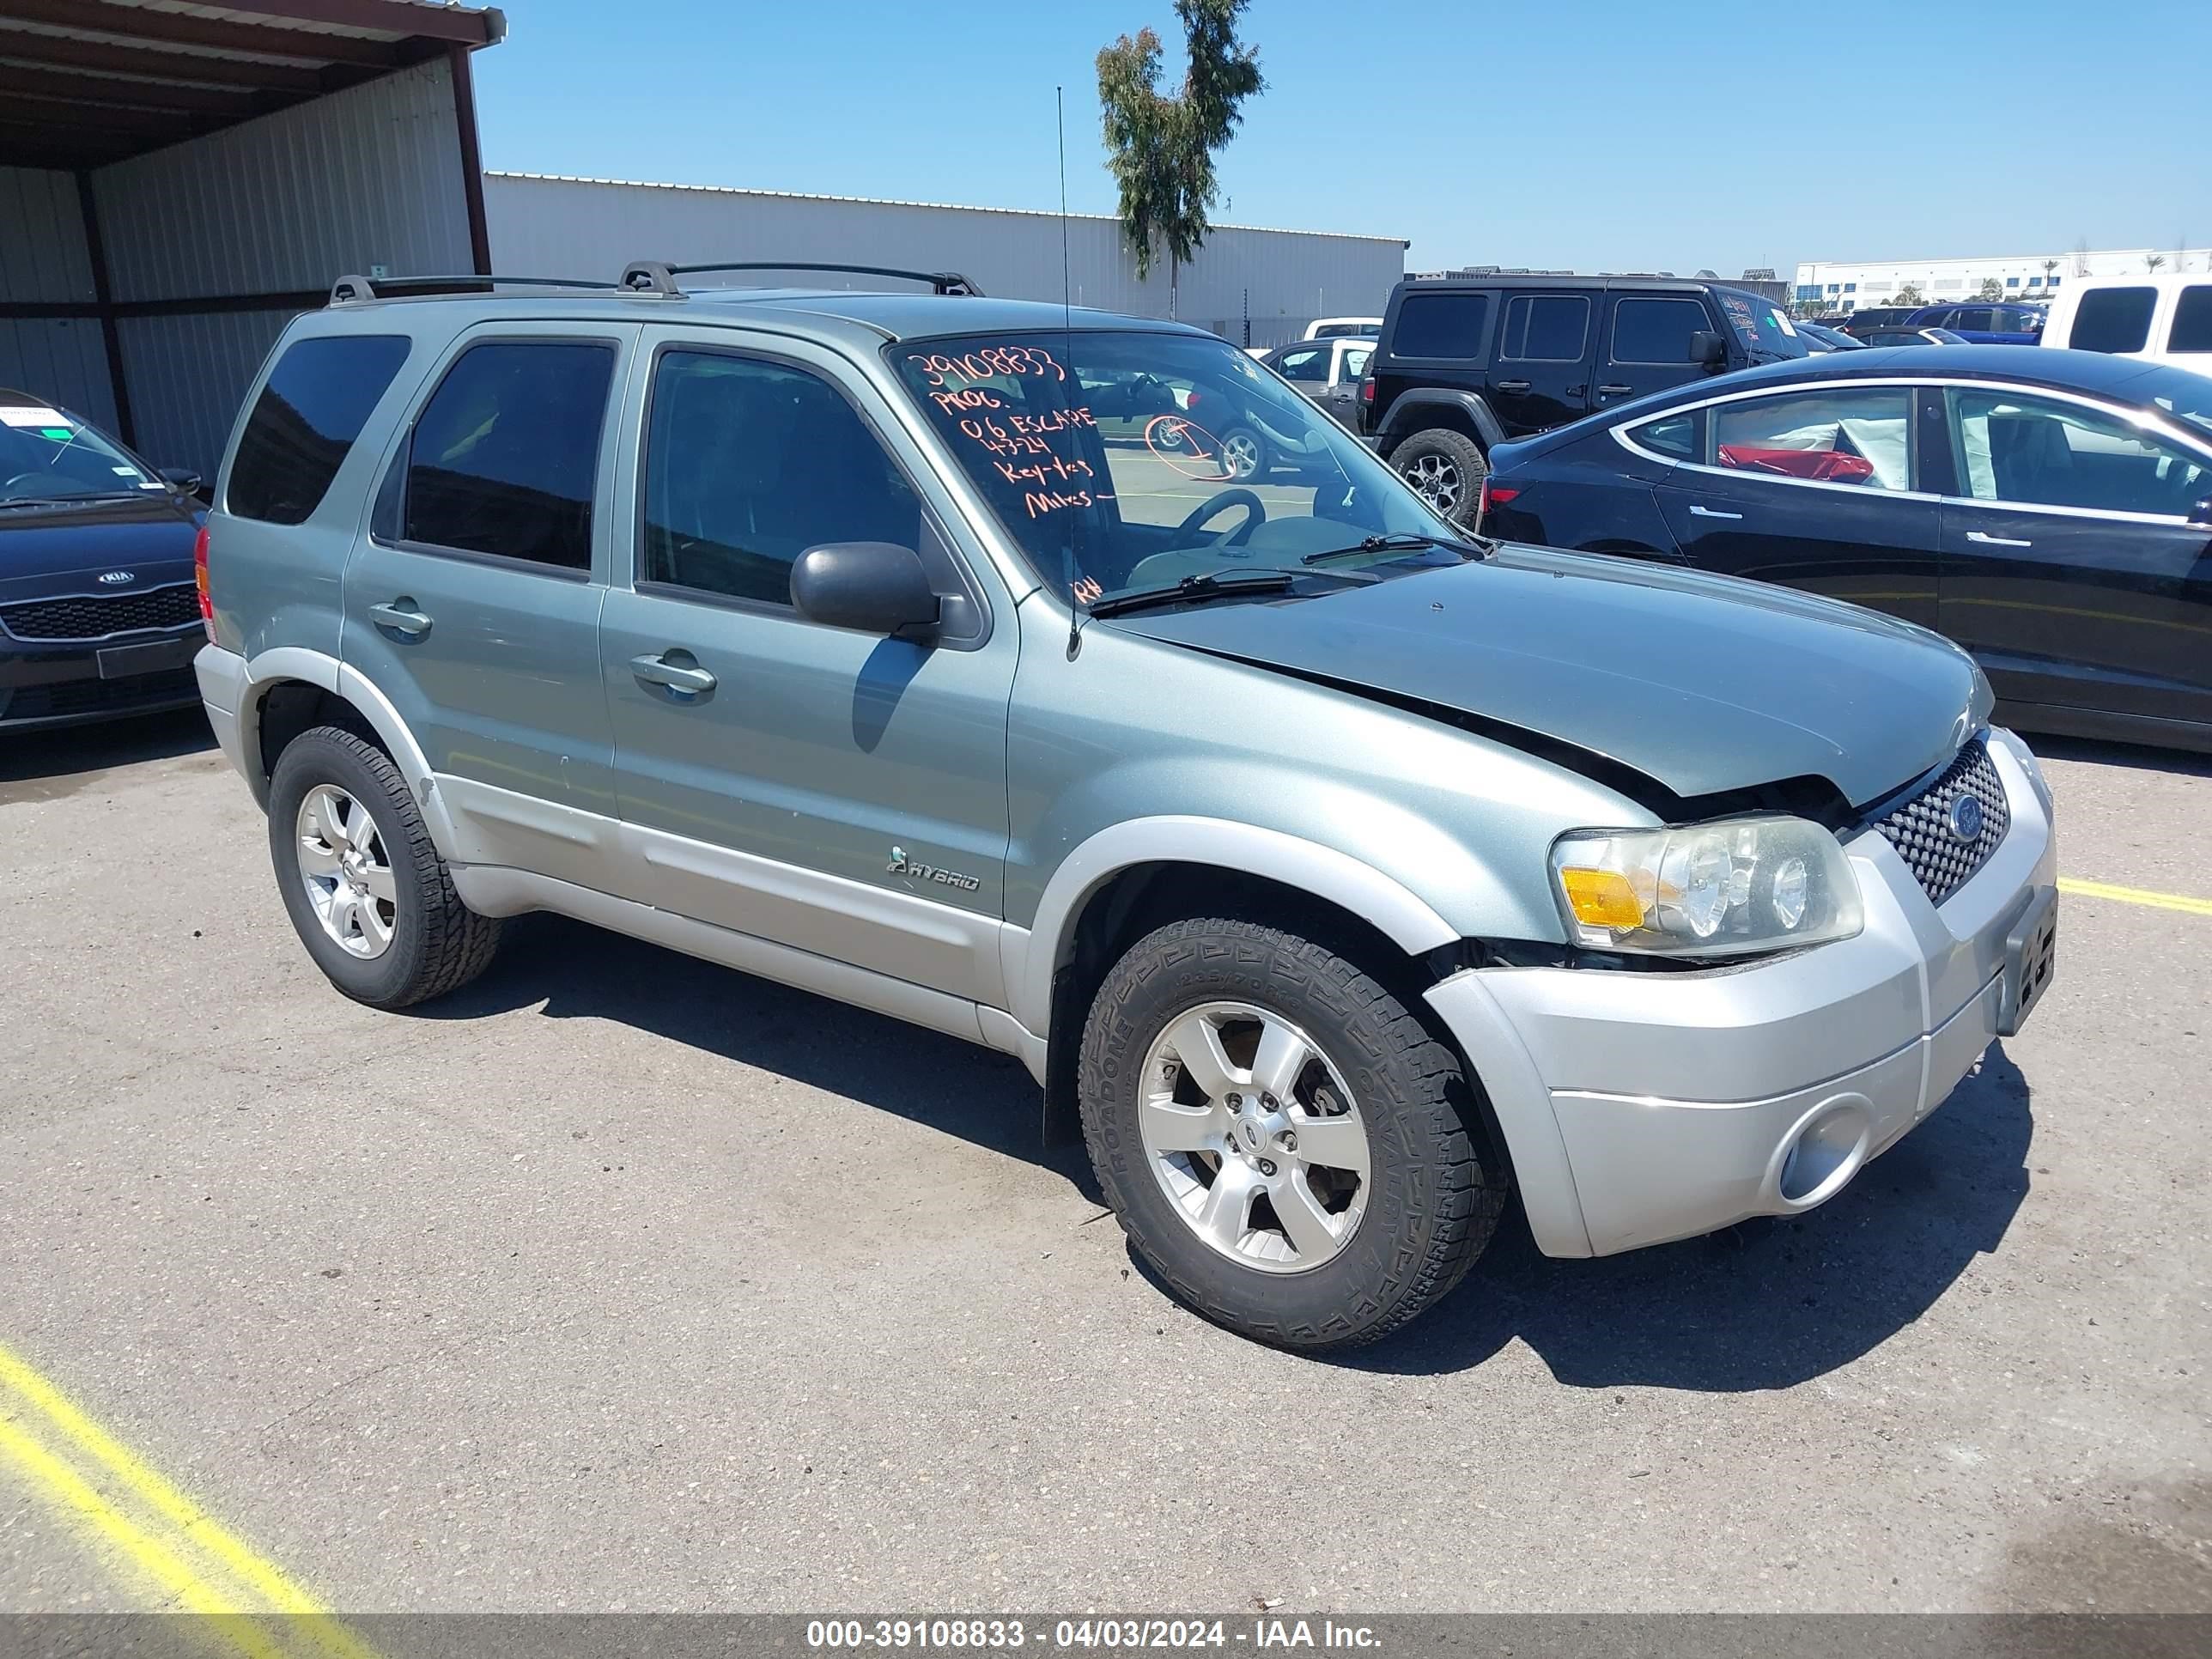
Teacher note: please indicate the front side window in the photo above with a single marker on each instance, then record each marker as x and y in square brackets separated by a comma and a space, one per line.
[2038, 451]
[2192, 320]
[2114, 320]
[1238, 474]
[750, 463]
[1655, 331]
[505, 457]
[1446, 326]
[1844, 435]
[311, 409]
[1548, 328]
[1311, 364]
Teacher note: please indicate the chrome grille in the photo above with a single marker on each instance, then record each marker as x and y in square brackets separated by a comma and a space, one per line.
[1920, 829]
[96, 616]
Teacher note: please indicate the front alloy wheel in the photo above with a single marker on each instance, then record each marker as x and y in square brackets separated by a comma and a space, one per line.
[1253, 1135]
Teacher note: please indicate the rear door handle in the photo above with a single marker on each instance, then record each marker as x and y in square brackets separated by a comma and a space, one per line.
[1614, 391]
[657, 669]
[1513, 386]
[401, 617]
[1697, 511]
[1996, 541]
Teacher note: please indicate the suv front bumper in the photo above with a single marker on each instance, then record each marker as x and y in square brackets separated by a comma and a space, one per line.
[1645, 1107]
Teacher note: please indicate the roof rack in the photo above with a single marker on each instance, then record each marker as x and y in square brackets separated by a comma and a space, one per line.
[350, 290]
[651, 276]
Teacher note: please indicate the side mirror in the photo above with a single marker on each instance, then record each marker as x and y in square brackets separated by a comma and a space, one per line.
[1708, 349]
[870, 587]
[182, 476]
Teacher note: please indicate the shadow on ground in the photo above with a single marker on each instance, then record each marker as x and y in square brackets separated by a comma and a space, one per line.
[48, 765]
[1765, 1305]
[2135, 756]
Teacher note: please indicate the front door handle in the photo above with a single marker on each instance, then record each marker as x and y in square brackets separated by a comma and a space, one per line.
[1697, 511]
[401, 617]
[1513, 386]
[1996, 541]
[685, 677]
[1614, 391]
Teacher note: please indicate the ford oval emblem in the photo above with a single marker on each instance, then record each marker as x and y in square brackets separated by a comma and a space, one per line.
[1966, 820]
[117, 578]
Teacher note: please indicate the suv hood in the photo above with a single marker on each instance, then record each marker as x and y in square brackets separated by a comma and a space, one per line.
[1703, 683]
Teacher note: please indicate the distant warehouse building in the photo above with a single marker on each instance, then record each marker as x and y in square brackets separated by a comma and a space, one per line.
[1846, 287]
[1253, 287]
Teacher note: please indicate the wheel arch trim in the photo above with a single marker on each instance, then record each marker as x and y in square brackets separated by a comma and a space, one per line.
[289, 663]
[1399, 423]
[1033, 957]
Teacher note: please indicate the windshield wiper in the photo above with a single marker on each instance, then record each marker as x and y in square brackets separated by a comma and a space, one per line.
[1192, 588]
[56, 501]
[1404, 542]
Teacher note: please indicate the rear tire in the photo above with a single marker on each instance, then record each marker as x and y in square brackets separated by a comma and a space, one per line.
[1376, 1200]
[368, 894]
[1244, 455]
[1445, 469]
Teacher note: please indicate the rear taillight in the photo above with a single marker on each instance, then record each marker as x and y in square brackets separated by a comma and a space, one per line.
[200, 581]
[1367, 392]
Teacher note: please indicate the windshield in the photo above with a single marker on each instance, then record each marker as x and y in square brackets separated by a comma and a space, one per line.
[1123, 461]
[48, 455]
[1761, 324]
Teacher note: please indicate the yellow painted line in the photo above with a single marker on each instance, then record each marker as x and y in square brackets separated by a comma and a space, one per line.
[172, 1540]
[2192, 907]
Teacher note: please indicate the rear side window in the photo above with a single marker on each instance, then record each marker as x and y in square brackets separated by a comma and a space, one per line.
[2114, 320]
[1670, 435]
[1442, 325]
[1545, 328]
[2192, 320]
[506, 454]
[305, 421]
[1655, 331]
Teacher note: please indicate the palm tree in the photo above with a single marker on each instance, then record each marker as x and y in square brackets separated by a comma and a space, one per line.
[1160, 149]
[2152, 261]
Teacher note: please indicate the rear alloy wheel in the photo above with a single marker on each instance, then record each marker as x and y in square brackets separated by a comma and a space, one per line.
[367, 891]
[1282, 1139]
[1446, 470]
[1243, 454]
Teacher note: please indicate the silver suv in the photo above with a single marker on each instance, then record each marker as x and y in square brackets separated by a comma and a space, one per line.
[1333, 873]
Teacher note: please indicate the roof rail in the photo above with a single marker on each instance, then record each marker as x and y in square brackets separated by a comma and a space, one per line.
[651, 276]
[350, 290]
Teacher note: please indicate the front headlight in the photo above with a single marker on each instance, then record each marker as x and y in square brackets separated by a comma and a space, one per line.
[1728, 888]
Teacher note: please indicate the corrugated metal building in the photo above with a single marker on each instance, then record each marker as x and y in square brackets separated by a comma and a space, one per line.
[178, 180]
[1276, 280]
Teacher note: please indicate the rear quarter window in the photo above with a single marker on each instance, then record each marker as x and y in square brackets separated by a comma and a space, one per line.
[304, 424]
[1442, 325]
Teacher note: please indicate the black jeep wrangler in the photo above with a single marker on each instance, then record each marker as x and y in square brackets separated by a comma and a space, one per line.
[1466, 362]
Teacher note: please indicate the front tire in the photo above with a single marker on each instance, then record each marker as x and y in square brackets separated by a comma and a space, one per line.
[365, 887]
[1446, 470]
[1280, 1137]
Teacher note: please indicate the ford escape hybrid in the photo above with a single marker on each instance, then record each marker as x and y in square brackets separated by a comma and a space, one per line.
[1332, 873]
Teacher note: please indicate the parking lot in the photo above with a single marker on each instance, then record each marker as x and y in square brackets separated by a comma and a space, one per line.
[623, 1280]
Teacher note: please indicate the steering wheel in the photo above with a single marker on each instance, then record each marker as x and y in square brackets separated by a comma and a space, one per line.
[1255, 514]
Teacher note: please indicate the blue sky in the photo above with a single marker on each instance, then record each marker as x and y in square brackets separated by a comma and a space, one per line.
[1612, 134]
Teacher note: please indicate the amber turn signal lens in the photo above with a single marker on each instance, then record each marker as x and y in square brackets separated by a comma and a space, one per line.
[1602, 898]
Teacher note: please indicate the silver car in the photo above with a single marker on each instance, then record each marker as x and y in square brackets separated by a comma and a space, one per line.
[1333, 873]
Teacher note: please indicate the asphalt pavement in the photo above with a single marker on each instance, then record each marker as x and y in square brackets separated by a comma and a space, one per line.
[623, 1281]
